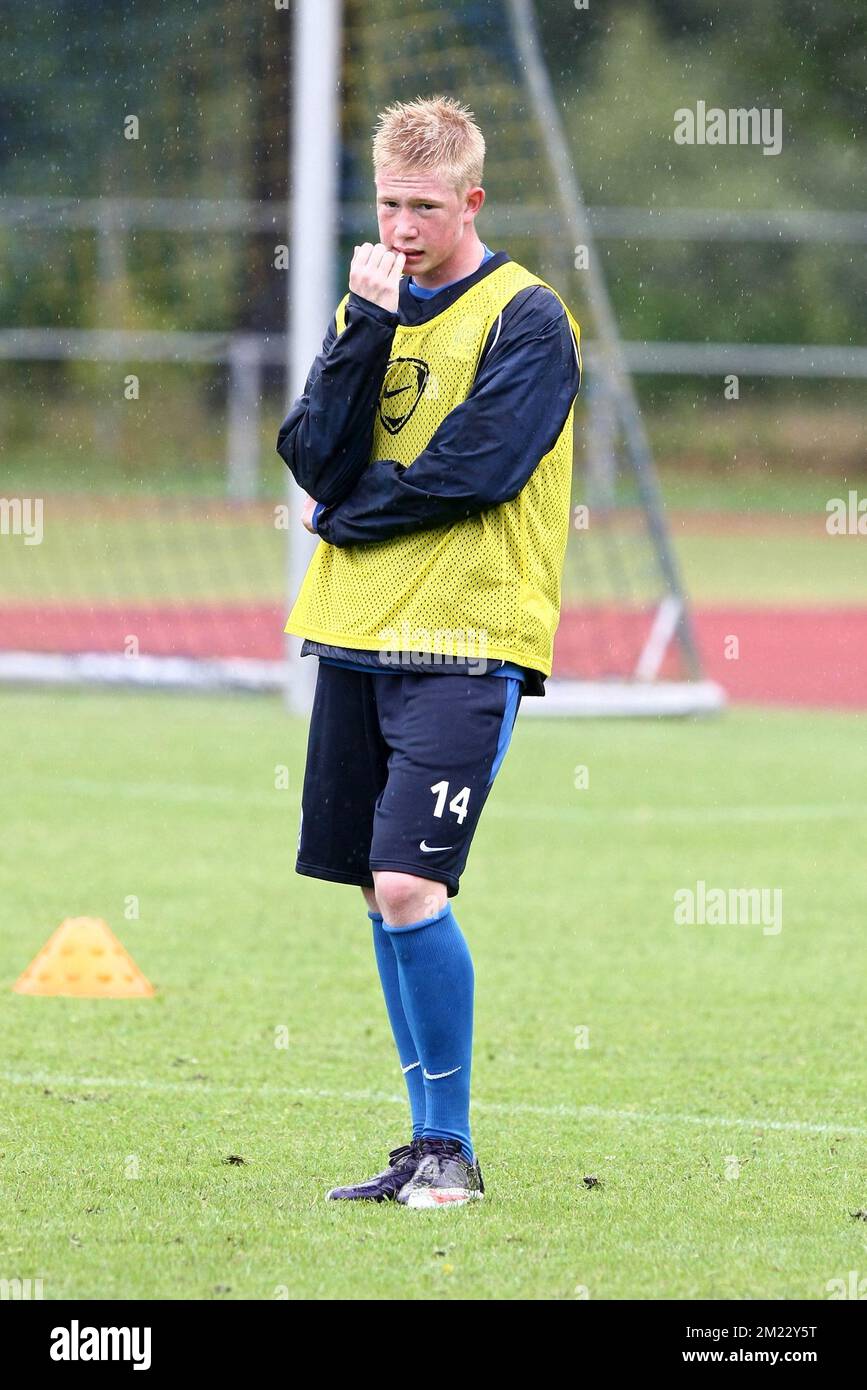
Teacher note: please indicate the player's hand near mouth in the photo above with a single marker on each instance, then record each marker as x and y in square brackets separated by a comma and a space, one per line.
[375, 274]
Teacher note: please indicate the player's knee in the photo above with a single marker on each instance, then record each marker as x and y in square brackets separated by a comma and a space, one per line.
[370, 899]
[404, 898]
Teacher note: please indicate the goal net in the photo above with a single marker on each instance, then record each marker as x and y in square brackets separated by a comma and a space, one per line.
[624, 644]
[166, 544]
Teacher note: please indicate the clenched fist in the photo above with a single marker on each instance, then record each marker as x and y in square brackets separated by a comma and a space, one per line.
[375, 274]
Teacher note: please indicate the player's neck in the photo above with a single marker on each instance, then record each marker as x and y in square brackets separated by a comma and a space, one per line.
[464, 260]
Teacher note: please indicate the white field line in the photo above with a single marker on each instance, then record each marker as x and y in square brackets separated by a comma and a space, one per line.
[572, 1112]
[633, 815]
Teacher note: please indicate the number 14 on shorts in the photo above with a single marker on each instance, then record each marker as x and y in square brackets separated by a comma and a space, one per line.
[458, 804]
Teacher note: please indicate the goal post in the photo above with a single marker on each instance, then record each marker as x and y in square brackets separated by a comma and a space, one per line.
[313, 184]
[641, 690]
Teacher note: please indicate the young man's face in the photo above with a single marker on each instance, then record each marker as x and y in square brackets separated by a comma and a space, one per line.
[422, 216]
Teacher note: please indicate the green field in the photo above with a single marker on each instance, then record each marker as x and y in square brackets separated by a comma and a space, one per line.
[720, 1099]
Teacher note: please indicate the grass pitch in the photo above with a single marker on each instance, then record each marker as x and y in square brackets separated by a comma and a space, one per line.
[719, 1100]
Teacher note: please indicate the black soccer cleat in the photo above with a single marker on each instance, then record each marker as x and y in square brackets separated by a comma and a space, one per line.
[384, 1186]
[442, 1177]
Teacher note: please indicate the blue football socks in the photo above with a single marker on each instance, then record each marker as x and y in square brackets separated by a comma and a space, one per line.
[410, 1064]
[435, 970]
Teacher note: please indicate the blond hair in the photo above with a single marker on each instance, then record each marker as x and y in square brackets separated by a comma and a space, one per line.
[434, 133]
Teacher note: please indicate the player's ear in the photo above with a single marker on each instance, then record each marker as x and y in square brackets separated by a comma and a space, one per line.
[474, 200]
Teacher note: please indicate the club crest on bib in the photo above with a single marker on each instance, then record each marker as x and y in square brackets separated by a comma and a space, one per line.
[405, 380]
[466, 338]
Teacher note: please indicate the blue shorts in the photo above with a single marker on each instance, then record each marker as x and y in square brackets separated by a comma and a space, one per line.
[399, 767]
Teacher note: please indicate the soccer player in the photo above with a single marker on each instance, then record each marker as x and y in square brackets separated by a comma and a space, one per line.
[434, 441]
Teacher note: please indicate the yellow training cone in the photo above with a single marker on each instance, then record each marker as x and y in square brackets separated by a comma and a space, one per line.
[84, 957]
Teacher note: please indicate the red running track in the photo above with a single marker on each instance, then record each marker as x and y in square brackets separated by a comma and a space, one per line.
[785, 656]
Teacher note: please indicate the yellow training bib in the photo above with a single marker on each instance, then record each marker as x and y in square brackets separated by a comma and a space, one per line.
[486, 586]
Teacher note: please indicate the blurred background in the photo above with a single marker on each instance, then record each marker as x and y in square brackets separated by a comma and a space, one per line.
[149, 251]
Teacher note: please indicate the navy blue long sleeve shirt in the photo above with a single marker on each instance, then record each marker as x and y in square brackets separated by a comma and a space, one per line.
[483, 453]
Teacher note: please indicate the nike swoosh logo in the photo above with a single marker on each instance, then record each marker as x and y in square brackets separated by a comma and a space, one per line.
[397, 390]
[438, 1075]
[433, 849]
